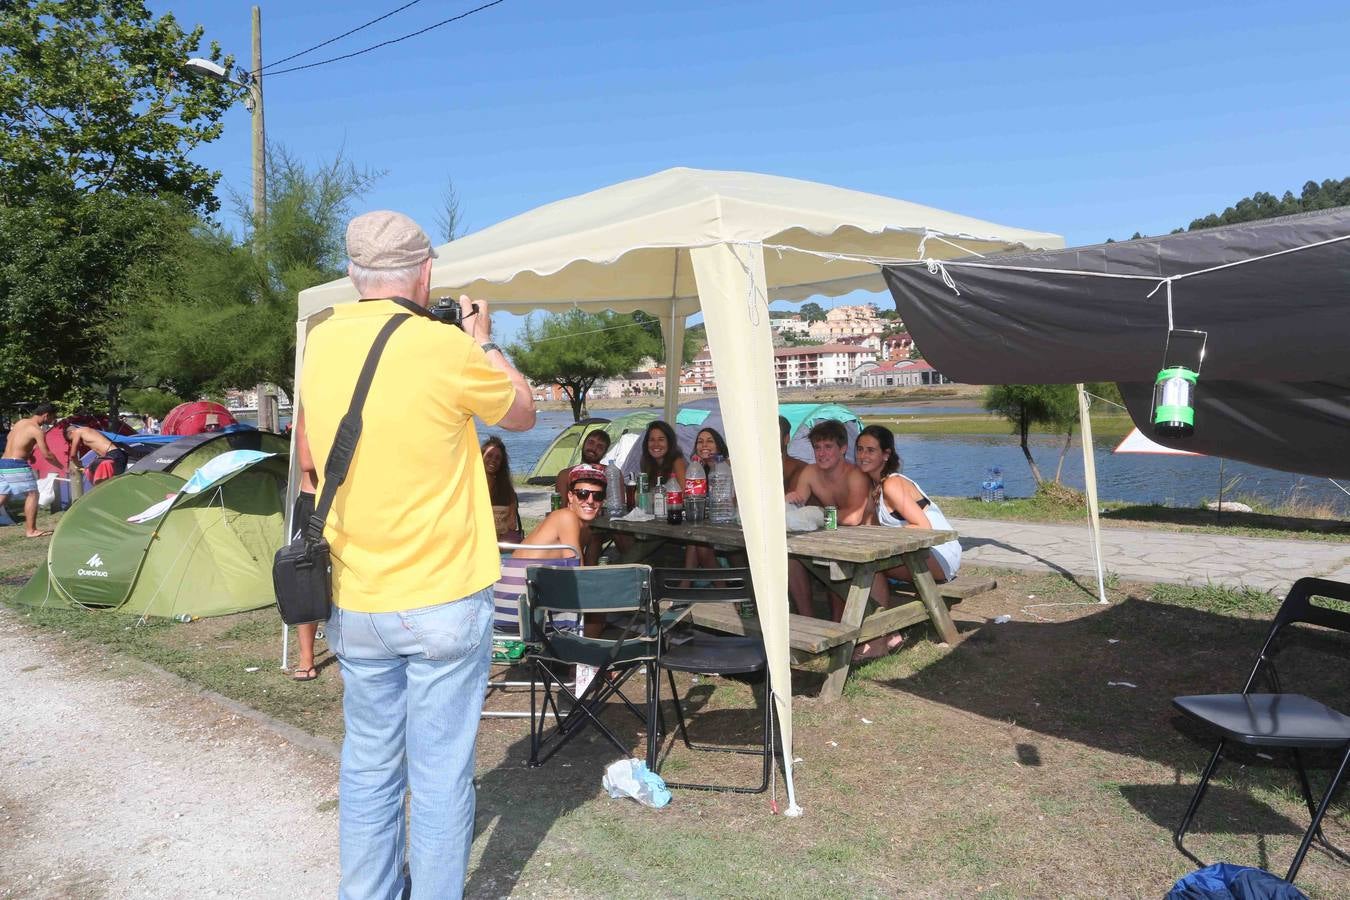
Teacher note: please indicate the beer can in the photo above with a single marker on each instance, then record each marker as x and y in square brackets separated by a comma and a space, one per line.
[831, 518]
[746, 608]
[555, 501]
[644, 485]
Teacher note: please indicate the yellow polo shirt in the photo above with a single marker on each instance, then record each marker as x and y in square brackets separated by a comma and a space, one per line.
[412, 524]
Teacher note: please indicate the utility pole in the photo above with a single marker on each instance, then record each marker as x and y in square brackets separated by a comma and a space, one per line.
[267, 413]
[251, 79]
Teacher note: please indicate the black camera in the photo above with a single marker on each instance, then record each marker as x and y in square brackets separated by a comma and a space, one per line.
[447, 310]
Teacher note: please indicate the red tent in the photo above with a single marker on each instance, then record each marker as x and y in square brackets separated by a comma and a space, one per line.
[196, 417]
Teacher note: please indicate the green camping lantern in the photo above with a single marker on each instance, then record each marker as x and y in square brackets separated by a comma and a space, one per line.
[1174, 389]
[1174, 402]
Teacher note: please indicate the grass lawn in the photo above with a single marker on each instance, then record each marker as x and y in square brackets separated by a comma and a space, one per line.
[1006, 765]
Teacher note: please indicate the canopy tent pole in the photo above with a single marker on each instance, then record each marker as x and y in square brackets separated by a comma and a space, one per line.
[674, 332]
[731, 288]
[1090, 483]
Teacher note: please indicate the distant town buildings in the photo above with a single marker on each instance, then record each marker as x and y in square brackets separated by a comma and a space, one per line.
[847, 321]
[819, 365]
[850, 350]
[897, 373]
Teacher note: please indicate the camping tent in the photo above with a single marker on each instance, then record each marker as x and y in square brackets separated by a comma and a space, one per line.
[205, 552]
[195, 417]
[1271, 296]
[724, 243]
[186, 455]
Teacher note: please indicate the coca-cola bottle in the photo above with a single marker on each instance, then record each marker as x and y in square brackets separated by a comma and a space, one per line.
[674, 502]
[695, 491]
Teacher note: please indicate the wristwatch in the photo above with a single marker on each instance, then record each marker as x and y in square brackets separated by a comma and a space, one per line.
[489, 347]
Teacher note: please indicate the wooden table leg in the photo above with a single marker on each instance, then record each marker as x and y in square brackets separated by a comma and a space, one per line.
[926, 587]
[841, 655]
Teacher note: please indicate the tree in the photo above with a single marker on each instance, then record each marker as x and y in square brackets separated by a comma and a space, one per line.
[450, 218]
[222, 311]
[576, 349]
[812, 312]
[1262, 205]
[94, 98]
[95, 175]
[1055, 405]
[1025, 405]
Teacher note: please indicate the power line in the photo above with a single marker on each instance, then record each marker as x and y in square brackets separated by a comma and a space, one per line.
[396, 40]
[341, 36]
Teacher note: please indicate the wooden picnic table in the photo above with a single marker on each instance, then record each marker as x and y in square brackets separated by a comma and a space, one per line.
[854, 554]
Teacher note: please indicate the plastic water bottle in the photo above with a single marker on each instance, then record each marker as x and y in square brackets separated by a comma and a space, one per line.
[991, 489]
[614, 491]
[721, 503]
[695, 491]
[184, 617]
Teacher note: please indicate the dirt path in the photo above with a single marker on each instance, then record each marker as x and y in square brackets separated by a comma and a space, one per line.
[117, 782]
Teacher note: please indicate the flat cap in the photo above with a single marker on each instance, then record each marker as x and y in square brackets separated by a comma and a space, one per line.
[384, 239]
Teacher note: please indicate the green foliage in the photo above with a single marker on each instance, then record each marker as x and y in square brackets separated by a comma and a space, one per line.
[224, 313]
[68, 268]
[98, 122]
[576, 349]
[1026, 404]
[150, 401]
[94, 98]
[812, 312]
[1262, 205]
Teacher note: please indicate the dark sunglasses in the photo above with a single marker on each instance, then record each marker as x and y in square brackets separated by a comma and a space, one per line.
[583, 494]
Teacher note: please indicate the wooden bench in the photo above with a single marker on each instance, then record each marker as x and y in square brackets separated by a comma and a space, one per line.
[812, 639]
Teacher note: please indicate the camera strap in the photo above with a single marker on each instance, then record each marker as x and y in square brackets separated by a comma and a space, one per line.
[348, 433]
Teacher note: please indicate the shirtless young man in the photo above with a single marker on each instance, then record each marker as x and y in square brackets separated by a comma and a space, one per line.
[16, 477]
[82, 438]
[593, 448]
[571, 525]
[830, 481]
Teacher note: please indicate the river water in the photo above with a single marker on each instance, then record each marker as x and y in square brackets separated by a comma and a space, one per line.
[954, 465]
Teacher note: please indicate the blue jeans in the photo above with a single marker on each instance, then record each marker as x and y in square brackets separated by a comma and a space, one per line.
[413, 688]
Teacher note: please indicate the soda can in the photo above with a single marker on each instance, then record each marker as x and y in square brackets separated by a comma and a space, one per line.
[555, 501]
[831, 518]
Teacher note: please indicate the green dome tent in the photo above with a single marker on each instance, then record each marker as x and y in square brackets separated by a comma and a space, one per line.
[188, 454]
[207, 553]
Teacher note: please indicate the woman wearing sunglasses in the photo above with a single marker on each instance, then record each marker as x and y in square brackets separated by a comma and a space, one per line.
[571, 525]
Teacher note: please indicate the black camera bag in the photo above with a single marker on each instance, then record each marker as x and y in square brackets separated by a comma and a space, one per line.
[302, 571]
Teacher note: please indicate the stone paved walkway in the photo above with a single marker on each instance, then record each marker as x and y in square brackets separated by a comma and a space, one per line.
[1152, 555]
[1133, 554]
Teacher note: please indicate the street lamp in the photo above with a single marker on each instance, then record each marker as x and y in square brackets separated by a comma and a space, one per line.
[251, 79]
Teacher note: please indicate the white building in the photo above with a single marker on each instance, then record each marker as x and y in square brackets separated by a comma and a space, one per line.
[897, 373]
[824, 364]
[846, 321]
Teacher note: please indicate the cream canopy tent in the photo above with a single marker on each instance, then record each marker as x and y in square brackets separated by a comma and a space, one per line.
[726, 244]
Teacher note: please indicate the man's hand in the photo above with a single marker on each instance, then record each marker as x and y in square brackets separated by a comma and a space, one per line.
[520, 417]
[480, 322]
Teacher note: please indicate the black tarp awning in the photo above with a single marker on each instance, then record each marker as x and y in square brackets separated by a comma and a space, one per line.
[1273, 296]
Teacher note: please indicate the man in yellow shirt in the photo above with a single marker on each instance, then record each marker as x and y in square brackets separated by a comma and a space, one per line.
[414, 554]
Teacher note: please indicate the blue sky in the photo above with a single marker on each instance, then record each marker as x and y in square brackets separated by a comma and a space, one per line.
[1089, 120]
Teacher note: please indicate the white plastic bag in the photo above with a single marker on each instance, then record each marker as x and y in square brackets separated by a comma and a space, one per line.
[632, 778]
[805, 518]
[47, 490]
